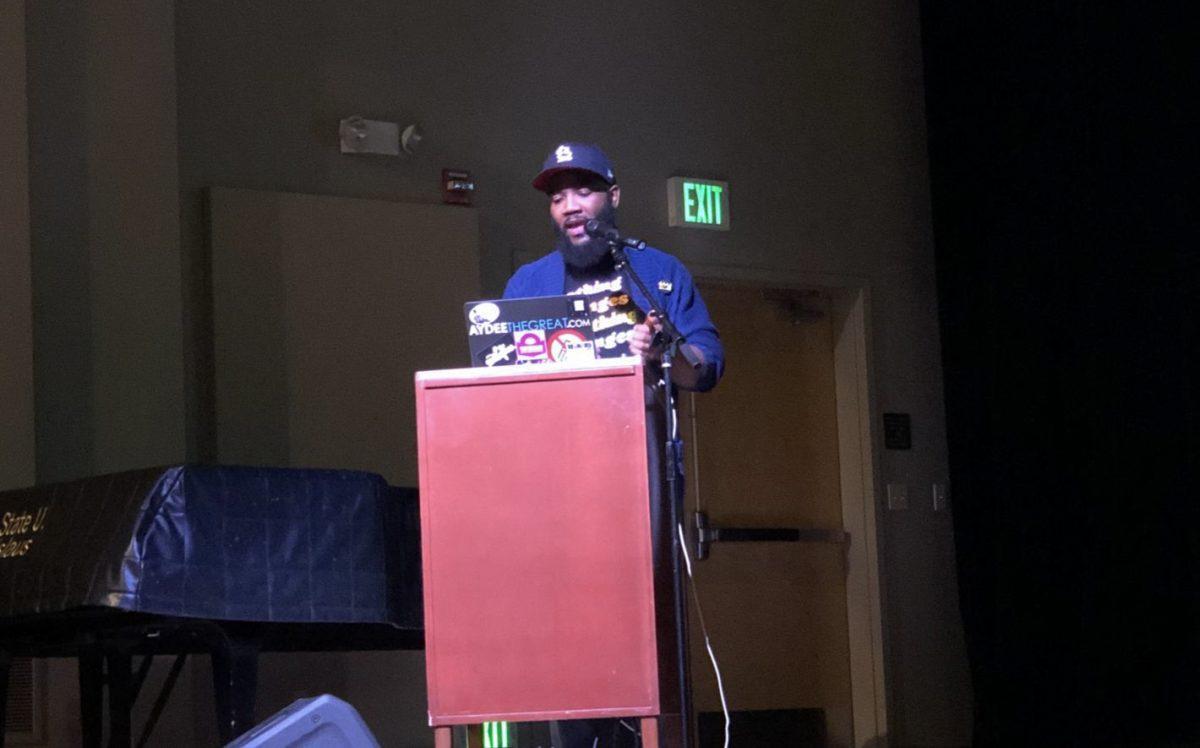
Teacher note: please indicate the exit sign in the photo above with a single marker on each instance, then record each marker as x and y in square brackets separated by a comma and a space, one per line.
[698, 203]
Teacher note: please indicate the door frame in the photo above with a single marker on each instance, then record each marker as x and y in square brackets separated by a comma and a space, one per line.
[854, 387]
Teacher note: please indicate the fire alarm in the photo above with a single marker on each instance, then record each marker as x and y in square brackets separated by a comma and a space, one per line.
[457, 187]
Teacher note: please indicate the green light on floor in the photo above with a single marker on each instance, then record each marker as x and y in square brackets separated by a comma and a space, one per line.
[495, 735]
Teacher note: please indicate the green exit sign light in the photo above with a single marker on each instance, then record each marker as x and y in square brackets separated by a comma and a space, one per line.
[698, 203]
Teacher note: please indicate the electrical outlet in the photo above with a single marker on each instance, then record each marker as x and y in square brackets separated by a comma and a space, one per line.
[897, 496]
[940, 496]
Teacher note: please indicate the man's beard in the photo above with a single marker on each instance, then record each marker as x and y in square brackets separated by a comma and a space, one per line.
[590, 253]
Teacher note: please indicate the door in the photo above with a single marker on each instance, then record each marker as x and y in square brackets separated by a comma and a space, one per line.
[763, 453]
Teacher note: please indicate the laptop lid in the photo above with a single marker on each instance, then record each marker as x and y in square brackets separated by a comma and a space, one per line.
[535, 330]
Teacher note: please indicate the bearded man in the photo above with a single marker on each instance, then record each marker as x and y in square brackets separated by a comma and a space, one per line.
[579, 181]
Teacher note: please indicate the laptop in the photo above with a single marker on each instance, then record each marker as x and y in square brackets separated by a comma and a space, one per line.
[542, 329]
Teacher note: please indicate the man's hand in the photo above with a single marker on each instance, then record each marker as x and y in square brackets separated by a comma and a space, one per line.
[642, 339]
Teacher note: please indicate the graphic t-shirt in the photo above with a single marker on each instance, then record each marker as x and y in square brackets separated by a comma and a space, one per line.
[614, 313]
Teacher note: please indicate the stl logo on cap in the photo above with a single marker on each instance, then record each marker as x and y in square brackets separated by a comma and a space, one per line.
[563, 153]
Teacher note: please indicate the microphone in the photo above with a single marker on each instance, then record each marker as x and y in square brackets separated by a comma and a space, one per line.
[598, 230]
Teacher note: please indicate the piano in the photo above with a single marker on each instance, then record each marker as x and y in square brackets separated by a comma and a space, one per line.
[192, 559]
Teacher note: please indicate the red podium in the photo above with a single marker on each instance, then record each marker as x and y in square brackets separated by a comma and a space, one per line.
[536, 545]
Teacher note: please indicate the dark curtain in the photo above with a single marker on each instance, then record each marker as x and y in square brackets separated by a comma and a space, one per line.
[1063, 162]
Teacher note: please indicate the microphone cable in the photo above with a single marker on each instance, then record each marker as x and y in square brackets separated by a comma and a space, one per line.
[687, 558]
[672, 409]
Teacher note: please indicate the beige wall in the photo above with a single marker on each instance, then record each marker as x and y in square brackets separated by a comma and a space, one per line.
[812, 112]
[321, 318]
[105, 235]
[16, 306]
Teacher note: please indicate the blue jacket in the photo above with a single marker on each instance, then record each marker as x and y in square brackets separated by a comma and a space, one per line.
[668, 281]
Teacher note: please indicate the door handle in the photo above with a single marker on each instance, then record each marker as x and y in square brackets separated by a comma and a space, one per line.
[707, 534]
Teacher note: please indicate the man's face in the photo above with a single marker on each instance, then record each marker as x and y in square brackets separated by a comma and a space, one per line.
[577, 197]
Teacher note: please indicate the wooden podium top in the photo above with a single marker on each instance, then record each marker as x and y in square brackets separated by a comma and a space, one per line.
[624, 366]
[536, 548]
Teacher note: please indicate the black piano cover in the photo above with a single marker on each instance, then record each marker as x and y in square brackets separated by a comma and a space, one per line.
[232, 543]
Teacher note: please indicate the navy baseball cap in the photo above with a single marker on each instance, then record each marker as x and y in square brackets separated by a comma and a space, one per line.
[574, 156]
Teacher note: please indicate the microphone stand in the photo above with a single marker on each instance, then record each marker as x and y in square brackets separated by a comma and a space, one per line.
[674, 342]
